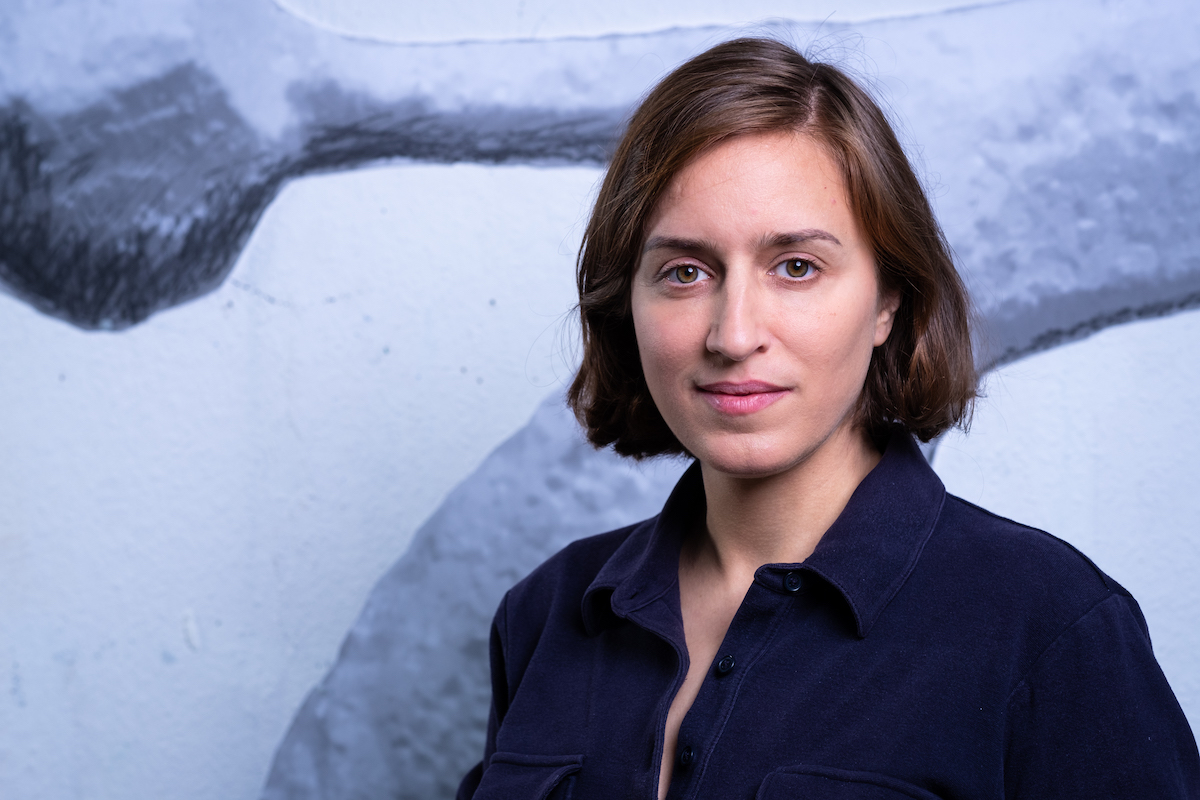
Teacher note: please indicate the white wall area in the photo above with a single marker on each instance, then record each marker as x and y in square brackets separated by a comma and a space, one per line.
[195, 509]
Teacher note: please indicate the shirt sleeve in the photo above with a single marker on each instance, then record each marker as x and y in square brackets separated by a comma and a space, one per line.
[1095, 717]
[470, 782]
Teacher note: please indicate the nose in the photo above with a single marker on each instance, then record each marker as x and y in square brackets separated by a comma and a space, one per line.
[738, 328]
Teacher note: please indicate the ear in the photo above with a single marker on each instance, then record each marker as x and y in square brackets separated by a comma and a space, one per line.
[886, 315]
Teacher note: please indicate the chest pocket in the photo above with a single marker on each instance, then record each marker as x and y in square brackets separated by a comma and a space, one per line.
[801, 782]
[517, 776]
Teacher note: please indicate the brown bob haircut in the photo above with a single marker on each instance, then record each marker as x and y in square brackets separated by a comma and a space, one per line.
[923, 377]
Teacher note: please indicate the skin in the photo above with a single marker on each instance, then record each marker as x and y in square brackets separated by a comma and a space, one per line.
[756, 306]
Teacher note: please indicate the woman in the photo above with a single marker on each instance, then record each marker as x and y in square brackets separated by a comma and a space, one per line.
[763, 287]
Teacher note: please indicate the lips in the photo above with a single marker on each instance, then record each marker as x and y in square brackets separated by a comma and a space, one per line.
[737, 399]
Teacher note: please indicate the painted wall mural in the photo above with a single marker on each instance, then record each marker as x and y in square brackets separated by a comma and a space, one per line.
[139, 195]
[144, 147]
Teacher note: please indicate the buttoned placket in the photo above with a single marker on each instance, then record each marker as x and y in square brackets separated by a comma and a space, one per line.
[771, 599]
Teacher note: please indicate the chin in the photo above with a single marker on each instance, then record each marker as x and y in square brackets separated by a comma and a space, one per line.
[760, 455]
[750, 459]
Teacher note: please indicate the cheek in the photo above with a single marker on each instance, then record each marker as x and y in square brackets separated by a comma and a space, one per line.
[833, 338]
[836, 346]
[659, 344]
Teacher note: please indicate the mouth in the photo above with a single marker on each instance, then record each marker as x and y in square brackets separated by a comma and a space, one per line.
[737, 399]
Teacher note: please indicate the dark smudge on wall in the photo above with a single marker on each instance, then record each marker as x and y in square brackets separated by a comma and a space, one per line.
[144, 199]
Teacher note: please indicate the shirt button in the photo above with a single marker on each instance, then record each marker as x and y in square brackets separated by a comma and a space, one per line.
[791, 581]
[686, 756]
[725, 665]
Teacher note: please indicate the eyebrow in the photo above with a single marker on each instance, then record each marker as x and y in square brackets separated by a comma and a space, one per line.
[675, 243]
[799, 237]
[774, 240]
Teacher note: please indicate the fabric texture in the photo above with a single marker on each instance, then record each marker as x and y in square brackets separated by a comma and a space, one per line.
[926, 649]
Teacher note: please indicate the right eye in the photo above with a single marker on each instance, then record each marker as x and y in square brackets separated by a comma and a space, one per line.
[685, 273]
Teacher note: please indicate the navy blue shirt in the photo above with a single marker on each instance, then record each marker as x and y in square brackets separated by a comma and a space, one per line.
[926, 649]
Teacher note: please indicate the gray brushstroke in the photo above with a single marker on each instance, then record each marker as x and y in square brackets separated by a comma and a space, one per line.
[1105, 235]
[121, 199]
[1042, 119]
[92, 233]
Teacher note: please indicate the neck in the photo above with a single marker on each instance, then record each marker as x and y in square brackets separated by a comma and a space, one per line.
[780, 518]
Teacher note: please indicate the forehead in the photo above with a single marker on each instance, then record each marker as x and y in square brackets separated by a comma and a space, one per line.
[755, 184]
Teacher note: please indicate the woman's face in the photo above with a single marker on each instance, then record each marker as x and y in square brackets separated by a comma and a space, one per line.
[756, 305]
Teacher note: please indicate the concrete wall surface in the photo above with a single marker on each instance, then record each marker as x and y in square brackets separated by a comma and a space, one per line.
[285, 293]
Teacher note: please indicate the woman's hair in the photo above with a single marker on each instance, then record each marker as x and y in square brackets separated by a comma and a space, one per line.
[923, 377]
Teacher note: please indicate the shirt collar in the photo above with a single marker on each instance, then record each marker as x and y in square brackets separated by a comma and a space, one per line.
[871, 548]
[646, 565]
[866, 555]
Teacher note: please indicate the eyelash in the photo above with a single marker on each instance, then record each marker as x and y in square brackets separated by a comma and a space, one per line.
[671, 274]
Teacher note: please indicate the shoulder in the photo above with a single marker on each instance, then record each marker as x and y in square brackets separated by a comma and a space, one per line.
[1089, 712]
[1018, 573]
[1023, 553]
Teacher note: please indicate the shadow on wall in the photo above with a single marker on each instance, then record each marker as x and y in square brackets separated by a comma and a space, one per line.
[1070, 186]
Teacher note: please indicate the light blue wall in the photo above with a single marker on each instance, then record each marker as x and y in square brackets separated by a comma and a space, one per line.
[212, 466]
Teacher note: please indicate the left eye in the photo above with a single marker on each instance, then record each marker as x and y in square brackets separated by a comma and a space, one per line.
[796, 268]
[685, 273]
